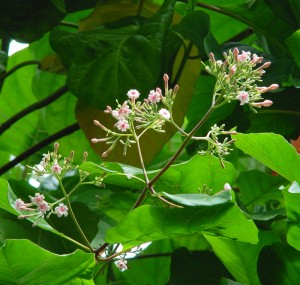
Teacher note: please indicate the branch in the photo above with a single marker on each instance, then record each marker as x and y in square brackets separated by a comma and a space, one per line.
[18, 66]
[35, 106]
[62, 133]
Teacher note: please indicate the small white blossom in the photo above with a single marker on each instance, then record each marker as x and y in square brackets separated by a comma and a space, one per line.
[154, 96]
[165, 113]
[20, 205]
[56, 168]
[227, 186]
[244, 56]
[243, 97]
[38, 198]
[43, 207]
[133, 94]
[61, 210]
[121, 264]
[122, 125]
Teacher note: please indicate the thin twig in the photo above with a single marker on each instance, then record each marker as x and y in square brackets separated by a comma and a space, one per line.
[62, 133]
[35, 106]
[18, 66]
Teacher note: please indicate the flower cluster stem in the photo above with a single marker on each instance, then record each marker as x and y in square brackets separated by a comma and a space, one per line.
[80, 231]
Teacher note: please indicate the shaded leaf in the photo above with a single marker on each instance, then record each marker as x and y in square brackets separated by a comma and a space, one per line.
[23, 262]
[28, 21]
[196, 268]
[279, 264]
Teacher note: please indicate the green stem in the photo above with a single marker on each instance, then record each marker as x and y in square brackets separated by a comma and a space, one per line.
[18, 66]
[35, 106]
[73, 216]
[185, 142]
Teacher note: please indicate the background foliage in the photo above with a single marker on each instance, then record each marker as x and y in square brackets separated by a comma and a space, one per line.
[84, 55]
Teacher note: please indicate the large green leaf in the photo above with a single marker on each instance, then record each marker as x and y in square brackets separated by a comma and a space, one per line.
[23, 262]
[293, 43]
[240, 258]
[259, 189]
[273, 151]
[148, 223]
[103, 64]
[279, 264]
[292, 200]
[28, 21]
[187, 177]
[195, 174]
[194, 268]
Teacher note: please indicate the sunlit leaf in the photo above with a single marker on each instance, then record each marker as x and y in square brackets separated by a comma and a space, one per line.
[23, 262]
[148, 223]
[273, 151]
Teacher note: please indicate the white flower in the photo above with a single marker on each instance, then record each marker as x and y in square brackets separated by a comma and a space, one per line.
[122, 125]
[154, 96]
[227, 186]
[243, 97]
[61, 210]
[133, 94]
[38, 198]
[20, 205]
[165, 113]
[121, 264]
[56, 168]
[43, 207]
[244, 56]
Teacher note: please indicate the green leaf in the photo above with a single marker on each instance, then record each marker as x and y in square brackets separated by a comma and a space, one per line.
[273, 151]
[240, 258]
[293, 42]
[259, 189]
[6, 191]
[113, 60]
[200, 199]
[195, 268]
[279, 264]
[28, 21]
[196, 28]
[23, 262]
[148, 223]
[195, 174]
[292, 200]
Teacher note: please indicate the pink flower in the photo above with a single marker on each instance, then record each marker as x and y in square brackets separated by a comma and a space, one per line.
[165, 113]
[154, 96]
[243, 97]
[38, 198]
[244, 56]
[43, 207]
[61, 210]
[121, 264]
[56, 168]
[122, 125]
[133, 94]
[20, 205]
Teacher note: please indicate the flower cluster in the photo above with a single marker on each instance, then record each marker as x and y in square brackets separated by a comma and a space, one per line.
[38, 207]
[237, 77]
[133, 115]
[52, 163]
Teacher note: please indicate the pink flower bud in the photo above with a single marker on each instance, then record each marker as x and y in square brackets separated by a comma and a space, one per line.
[20, 205]
[212, 57]
[244, 56]
[266, 103]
